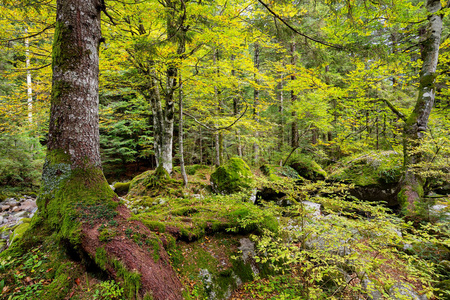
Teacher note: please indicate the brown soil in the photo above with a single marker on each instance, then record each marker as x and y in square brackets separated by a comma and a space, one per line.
[157, 277]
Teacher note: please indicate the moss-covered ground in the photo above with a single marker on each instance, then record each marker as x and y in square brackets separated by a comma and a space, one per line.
[375, 168]
[201, 232]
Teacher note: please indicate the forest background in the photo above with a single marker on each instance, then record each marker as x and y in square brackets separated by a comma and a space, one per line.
[199, 82]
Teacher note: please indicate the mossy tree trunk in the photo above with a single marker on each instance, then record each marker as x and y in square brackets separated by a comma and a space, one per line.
[76, 202]
[416, 124]
[161, 89]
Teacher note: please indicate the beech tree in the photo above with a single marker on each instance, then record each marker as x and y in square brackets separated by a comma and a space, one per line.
[75, 198]
[417, 122]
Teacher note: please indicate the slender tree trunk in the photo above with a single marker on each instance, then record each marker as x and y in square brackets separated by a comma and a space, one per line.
[281, 111]
[180, 114]
[74, 188]
[256, 103]
[416, 124]
[294, 125]
[29, 84]
[236, 113]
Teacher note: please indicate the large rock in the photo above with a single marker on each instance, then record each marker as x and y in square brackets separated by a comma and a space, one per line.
[375, 176]
[232, 177]
[308, 168]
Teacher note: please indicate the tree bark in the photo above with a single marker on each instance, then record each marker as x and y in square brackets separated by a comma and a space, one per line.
[294, 125]
[75, 199]
[256, 103]
[29, 83]
[219, 133]
[416, 124]
[180, 114]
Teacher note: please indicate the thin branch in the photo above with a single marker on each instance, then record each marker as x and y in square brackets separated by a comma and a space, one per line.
[339, 47]
[34, 69]
[215, 128]
[30, 35]
[394, 109]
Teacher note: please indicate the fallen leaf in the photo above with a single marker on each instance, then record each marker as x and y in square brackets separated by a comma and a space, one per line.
[78, 281]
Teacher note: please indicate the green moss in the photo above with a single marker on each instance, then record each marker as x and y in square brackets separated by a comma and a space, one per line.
[122, 188]
[71, 197]
[192, 169]
[154, 225]
[131, 280]
[444, 287]
[370, 169]
[308, 168]
[101, 258]
[154, 184]
[107, 234]
[232, 177]
[19, 231]
[242, 270]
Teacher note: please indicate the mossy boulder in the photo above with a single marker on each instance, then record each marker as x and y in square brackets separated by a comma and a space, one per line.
[232, 177]
[307, 168]
[155, 183]
[19, 230]
[375, 176]
[122, 188]
[276, 173]
[368, 169]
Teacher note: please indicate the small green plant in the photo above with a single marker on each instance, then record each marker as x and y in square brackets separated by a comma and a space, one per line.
[108, 290]
[129, 233]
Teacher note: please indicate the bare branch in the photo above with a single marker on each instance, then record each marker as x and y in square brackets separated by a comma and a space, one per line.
[216, 128]
[339, 47]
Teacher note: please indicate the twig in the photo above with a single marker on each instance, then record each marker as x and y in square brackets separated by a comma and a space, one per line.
[339, 47]
[216, 128]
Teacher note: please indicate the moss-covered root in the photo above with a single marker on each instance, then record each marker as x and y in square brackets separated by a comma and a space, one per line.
[82, 211]
[135, 256]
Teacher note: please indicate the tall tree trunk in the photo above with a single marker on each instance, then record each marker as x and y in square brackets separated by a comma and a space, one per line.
[236, 113]
[29, 84]
[294, 125]
[281, 111]
[180, 114]
[416, 124]
[74, 189]
[219, 133]
[256, 103]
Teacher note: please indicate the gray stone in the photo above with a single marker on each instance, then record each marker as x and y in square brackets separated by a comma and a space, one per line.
[253, 196]
[313, 208]
[247, 248]
[371, 290]
[5, 234]
[4, 207]
[1, 220]
[21, 214]
[400, 291]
